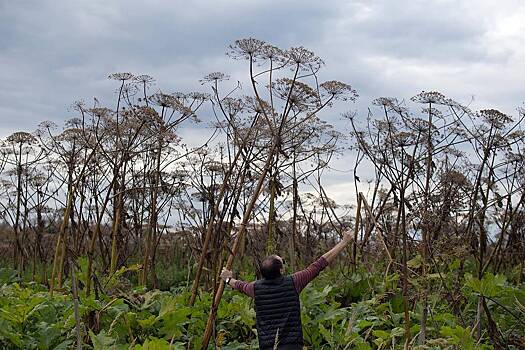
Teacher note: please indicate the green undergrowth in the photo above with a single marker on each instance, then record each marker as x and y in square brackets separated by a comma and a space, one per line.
[341, 310]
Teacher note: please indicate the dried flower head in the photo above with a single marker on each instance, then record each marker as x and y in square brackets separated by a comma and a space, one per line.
[385, 101]
[47, 125]
[164, 100]
[433, 111]
[78, 105]
[198, 96]
[430, 97]
[214, 78]
[455, 177]
[144, 79]
[495, 118]
[214, 166]
[339, 90]
[129, 89]
[304, 58]
[273, 53]
[74, 123]
[247, 49]
[121, 76]
[299, 94]
[232, 105]
[391, 104]
[21, 137]
[254, 105]
[403, 139]
[70, 135]
[459, 107]
[179, 174]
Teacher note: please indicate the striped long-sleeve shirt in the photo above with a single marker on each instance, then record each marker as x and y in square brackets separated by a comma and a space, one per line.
[300, 278]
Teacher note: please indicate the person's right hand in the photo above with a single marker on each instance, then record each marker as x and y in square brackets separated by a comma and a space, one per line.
[226, 274]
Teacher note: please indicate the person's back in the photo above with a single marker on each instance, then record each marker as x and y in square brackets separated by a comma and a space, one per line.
[278, 313]
[277, 304]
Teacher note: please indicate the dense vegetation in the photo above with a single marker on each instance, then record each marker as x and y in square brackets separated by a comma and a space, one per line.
[115, 227]
[359, 311]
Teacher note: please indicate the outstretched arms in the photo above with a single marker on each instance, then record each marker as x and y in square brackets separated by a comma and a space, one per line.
[300, 278]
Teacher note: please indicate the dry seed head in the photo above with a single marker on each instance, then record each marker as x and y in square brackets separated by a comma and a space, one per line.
[214, 166]
[385, 101]
[232, 105]
[70, 135]
[273, 53]
[144, 79]
[433, 111]
[304, 58]
[164, 100]
[199, 96]
[430, 97]
[495, 118]
[253, 104]
[214, 77]
[74, 123]
[47, 125]
[298, 92]
[246, 49]
[21, 137]
[339, 90]
[129, 89]
[100, 112]
[121, 76]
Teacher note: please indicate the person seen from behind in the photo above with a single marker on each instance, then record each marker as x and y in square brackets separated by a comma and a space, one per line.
[277, 305]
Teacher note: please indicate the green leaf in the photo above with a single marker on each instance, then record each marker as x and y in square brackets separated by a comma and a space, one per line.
[379, 333]
[397, 303]
[65, 345]
[362, 324]
[362, 345]
[416, 262]
[7, 332]
[101, 341]
[148, 322]
[155, 344]
[47, 335]
[397, 332]
[8, 276]
[459, 336]
[490, 285]
[454, 265]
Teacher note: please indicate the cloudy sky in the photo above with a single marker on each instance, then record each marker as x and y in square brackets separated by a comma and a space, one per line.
[53, 52]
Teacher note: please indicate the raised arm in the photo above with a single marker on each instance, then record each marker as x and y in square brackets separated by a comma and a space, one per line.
[332, 253]
[303, 277]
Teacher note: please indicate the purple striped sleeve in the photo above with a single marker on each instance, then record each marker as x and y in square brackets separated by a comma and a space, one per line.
[303, 277]
[245, 287]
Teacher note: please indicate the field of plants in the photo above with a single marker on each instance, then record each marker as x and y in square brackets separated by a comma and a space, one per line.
[116, 224]
[360, 311]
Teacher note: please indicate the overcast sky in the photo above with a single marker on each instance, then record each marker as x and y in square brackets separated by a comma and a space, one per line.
[53, 52]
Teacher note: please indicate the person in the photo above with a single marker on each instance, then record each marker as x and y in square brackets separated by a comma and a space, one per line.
[277, 305]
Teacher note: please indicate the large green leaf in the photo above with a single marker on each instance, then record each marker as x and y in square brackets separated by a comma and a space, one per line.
[153, 343]
[490, 285]
[101, 341]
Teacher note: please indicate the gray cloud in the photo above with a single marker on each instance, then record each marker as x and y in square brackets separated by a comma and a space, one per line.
[55, 52]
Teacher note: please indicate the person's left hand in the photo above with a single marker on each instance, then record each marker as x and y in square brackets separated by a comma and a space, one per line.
[348, 236]
[226, 274]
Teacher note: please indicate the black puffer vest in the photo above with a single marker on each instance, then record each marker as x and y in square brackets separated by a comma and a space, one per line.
[278, 314]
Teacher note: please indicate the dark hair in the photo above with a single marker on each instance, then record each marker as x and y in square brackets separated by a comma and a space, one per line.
[271, 267]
